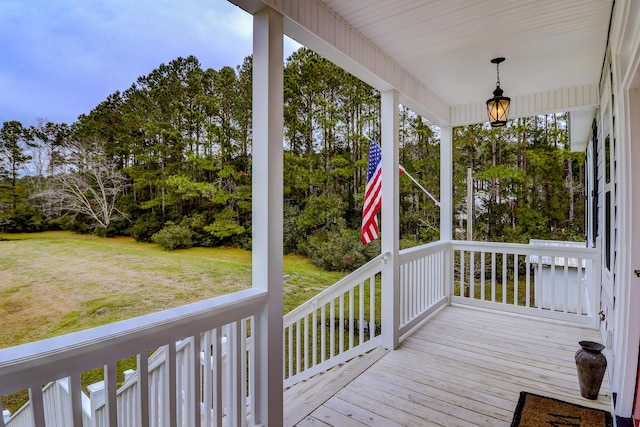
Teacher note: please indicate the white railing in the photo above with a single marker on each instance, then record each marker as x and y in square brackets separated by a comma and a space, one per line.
[57, 400]
[189, 390]
[555, 280]
[548, 279]
[128, 395]
[57, 407]
[422, 287]
[336, 325]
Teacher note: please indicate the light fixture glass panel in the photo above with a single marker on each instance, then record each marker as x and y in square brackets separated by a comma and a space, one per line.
[498, 111]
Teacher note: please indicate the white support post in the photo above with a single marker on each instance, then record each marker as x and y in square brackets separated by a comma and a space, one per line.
[268, 212]
[446, 183]
[111, 396]
[172, 391]
[143, 388]
[446, 204]
[390, 219]
[37, 404]
[75, 392]
[96, 397]
[195, 392]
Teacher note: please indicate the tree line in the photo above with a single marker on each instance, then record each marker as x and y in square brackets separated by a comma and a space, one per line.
[169, 160]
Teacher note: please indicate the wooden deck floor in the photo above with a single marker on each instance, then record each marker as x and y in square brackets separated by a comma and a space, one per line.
[464, 367]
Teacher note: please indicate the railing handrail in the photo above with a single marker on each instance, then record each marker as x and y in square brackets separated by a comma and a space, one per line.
[415, 252]
[519, 248]
[333, 291]
[58, 357]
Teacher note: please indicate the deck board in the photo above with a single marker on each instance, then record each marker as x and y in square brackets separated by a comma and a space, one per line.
[464, 367]
[306, 396]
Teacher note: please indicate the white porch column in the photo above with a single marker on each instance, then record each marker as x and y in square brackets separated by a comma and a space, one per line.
[446, 202]
[390, 227]
[267, 194]
[446, 183]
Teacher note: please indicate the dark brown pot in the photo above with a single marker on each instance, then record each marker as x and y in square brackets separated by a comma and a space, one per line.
[591, 364]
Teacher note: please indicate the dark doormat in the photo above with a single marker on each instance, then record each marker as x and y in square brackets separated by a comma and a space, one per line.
[540, 411]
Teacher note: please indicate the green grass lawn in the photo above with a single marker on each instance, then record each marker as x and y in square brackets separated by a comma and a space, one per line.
[55, 283]
[58, 282]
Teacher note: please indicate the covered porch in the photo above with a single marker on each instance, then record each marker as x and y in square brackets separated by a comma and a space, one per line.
[467, 325]
[464, 367]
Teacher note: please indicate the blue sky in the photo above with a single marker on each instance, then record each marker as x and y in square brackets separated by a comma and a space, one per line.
[60, 58]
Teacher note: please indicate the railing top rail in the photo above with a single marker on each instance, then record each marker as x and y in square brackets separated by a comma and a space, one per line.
[335, 290]
[36, 363]
[407, 255]
[526, 249]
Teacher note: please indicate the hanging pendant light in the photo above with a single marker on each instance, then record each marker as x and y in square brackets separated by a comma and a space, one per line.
[498, 106]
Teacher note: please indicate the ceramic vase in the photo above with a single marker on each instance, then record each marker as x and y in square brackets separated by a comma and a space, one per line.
[591, 364]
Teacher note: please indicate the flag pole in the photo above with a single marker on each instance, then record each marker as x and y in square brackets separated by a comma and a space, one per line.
[404, 171]
[420, 186]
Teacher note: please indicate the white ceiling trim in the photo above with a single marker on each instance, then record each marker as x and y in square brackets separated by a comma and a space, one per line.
[580, 97]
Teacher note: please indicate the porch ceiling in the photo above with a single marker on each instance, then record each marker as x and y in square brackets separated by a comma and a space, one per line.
[437, 52]
[448, 44]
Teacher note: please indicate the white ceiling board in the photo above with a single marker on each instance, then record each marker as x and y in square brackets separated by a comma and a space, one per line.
[448, 44]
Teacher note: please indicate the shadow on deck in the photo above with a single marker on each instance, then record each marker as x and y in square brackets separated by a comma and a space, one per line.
[464, 367]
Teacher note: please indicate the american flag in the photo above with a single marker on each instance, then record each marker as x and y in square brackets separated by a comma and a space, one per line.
[372, 195]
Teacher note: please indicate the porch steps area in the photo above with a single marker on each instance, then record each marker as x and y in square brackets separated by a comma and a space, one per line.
[464, 367]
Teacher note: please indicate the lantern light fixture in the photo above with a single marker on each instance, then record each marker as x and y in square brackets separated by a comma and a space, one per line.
[498, 106]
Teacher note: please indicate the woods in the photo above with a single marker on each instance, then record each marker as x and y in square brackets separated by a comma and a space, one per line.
[169, 160]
